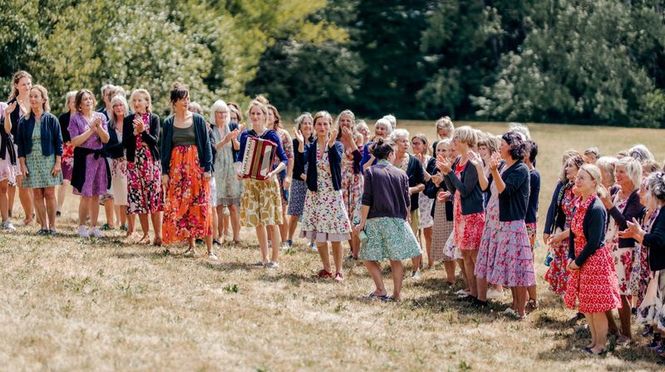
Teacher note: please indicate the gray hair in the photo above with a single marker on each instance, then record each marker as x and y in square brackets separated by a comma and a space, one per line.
[656, 185]
[399, 133]
[383, 121]
[117, 99]
[392, 120]
[521, 129]
[641, 153]
[633, 168]
[607, 164]
[219, 106]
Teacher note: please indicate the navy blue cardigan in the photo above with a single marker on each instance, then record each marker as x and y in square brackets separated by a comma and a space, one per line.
[513, 200]
[594, 232]
[634, 209]
[51, 141]
[655, 241]
[470, 194]
[202, 143]
[431, 190]
[555, 215]
[334, 158]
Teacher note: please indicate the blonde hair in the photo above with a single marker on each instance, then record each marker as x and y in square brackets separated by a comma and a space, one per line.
[18, 75]
[633, 168]
[145, 94]
[594, 172]
[490, 141]
[607, 164]
[347, 113]
[399, 133]
[391, 119]
[445, 123]
[385, 123]
[46, 107]
[467, 135]
[592, 151]
[322, 114]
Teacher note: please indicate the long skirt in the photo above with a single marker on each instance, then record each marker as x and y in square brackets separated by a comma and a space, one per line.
[441, 231]
[144, 182]
[511, 263]
[652, 311]
[187, 212]
[297, 197]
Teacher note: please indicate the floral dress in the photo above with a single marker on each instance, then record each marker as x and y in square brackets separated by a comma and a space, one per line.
[144, 179]
[352, 187]
[324, 217]
[287, 144]
[593, 287]
[229, 187]
[557, 274]
[623, 257]
[40, 166]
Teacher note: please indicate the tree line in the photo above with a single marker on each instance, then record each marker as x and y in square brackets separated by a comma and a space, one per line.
[566, 61]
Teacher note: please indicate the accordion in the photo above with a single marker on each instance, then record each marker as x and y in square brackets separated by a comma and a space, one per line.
[257, 159]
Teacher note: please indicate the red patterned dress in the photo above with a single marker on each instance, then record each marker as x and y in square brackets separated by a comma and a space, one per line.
[468, 228]
[593, 288]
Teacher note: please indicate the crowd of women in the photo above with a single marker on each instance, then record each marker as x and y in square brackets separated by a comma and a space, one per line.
[469, 199]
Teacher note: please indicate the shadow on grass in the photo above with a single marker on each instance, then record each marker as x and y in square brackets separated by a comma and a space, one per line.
[227, 266]
[291, 277]
[141, 254]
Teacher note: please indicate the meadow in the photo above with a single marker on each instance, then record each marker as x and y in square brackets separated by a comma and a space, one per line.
[73, 304]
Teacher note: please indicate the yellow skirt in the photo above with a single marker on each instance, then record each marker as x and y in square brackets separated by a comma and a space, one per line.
[261, 203]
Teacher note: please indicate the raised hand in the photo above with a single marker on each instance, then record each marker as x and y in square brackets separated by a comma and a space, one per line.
[11, 107]
[475, 158]
[333, 136]
[138, 125]
[298, 134]
[633, 231]
[443, 164]
[494, 162]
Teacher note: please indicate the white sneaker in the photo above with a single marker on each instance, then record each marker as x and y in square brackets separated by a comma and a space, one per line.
[95, 232]
[494, 294]
[415, 275]
[212, 256]
[272, 265]
[83, 232]
[462, 293]
[7, 225]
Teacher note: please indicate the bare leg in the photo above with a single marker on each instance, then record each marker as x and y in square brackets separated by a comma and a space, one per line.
[145, 227]
[84, 210]
[624, 316]
[262, 237]
[40, 207]
[592, 329]
[216, 231]
[600, 326]
[51, 206]
[25, 196]
[325, 255]
[62, 194]
[121, 214]
[468, 271]
[520, 300]
[427, 234]
[234, 216]
[355, 244]
[375, 272]
[131, 223]
[4, 200]
[450, 271]
[94, 210]
[398, 275]
[108, 210]
[481, 283]
[337, 255]
[225, 223]
[276, 242]
[11, 194]
[293, 224]
[157, 227]
[612, 325]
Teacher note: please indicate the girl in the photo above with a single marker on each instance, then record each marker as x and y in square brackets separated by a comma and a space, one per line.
[145, 197]
[186, 172]
[592, 286]
[261, 203]
[229, 187]
[462, 180]
[40, 150]
[18, 105]
[298, 189]
[91, 177]
[324, 217]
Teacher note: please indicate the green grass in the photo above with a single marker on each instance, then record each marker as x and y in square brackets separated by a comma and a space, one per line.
[68, 304]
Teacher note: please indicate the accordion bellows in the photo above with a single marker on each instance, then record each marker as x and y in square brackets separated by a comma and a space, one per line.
[258, 158]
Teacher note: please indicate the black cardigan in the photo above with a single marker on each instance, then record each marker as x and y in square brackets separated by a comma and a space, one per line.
[634, 209]
[414, 170]
[513, 200]
[469, 188]
[594, 232]
[655, 241]
[555, 215]
[150, 136]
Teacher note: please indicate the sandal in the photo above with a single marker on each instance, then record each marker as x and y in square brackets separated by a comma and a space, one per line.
[189, 253]
[323, 274]
[374, 296]
[339, 277]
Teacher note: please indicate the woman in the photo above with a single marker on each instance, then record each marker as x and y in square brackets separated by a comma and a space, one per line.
[229, 187]
[442, 212]
[623, 207]
[91, 176]
[385, 209]
[298, 191]
[352, 178]
[39, 151]
[145, 197]
[652, 310]
[444, 129]
[414, 170]
[261, 202]
[511, 264]
[592, 287]
[7, 172]
[557, 223]
[67, 160]
[186, 172]
[18, 105]
[382, 130]
[284, 177]
[462, 179]
[116, 152]
[324, 216]
[531, 218]
[420, 146]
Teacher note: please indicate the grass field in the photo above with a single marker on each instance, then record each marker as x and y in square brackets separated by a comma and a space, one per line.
[69, 304]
